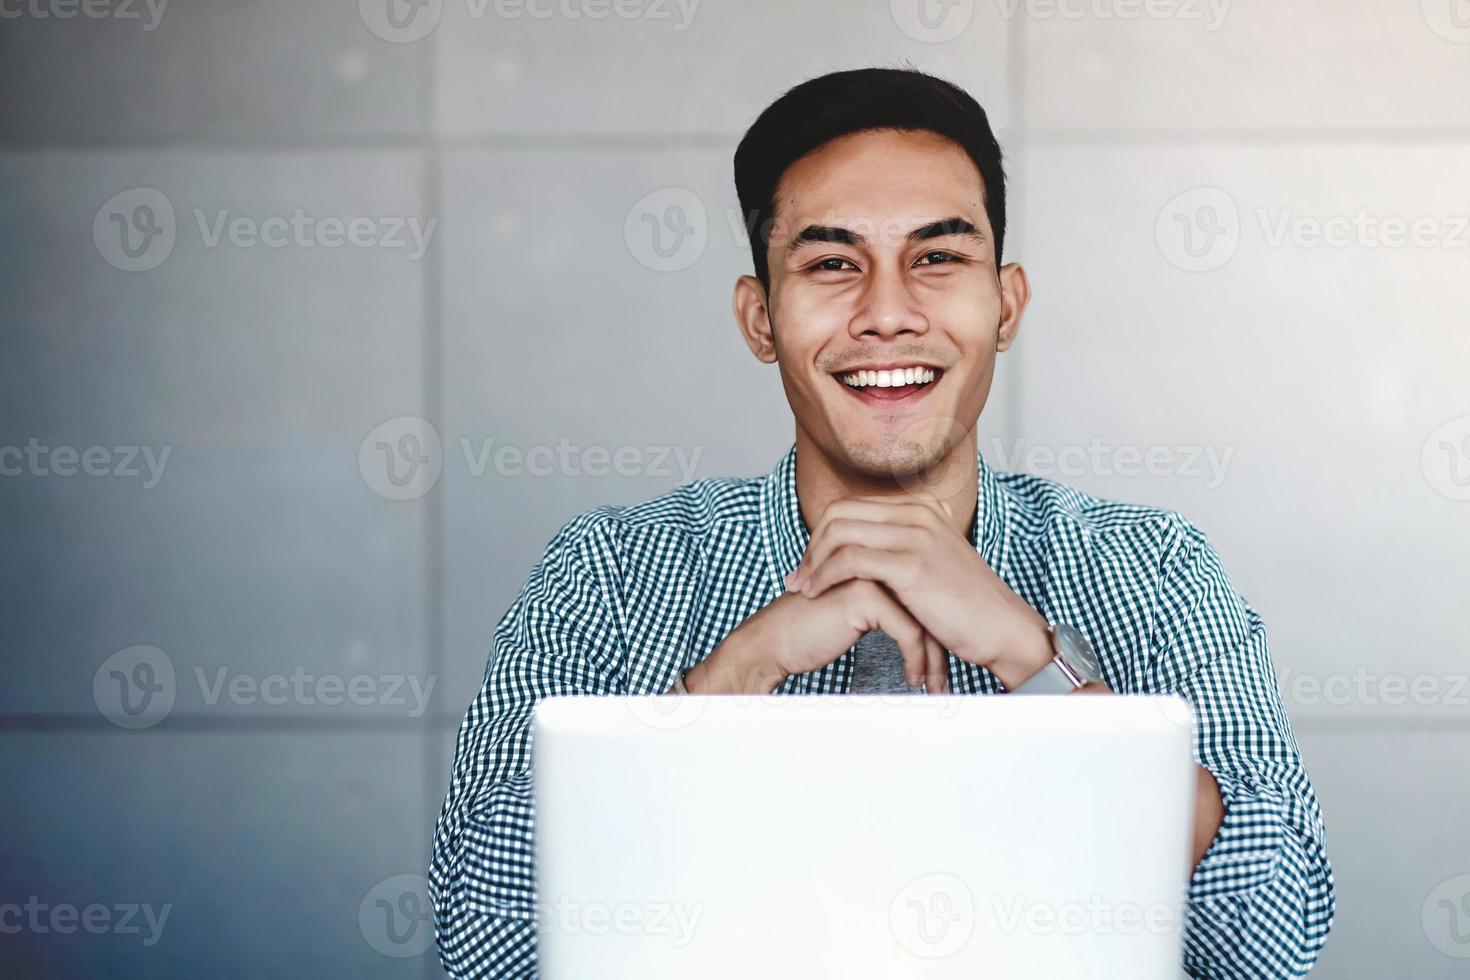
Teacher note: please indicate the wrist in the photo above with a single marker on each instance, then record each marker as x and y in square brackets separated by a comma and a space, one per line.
[733, 669]
[1029, 650]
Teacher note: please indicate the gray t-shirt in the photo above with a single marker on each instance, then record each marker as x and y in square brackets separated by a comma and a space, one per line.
[877, 666]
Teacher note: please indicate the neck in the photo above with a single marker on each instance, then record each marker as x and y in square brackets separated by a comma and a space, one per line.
[821, 480]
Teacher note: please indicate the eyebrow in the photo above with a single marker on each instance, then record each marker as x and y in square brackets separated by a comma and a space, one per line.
[831, 235]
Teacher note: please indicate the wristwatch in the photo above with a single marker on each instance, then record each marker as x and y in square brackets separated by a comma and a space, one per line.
[1074, 664]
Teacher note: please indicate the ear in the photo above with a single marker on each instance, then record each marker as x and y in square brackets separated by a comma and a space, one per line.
[1015, 293]
[754, 318]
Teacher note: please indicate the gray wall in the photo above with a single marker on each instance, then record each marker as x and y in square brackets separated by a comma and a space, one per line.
[270, 553]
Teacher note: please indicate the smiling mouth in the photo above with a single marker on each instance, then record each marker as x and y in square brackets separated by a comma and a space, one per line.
[890, 384]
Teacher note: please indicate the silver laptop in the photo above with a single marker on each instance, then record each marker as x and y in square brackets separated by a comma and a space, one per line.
[867, 836]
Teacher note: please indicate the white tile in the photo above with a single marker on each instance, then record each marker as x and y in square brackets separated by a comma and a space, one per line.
[666, 74]
[1211, 64]
[262, 549]
[1323, 370]
[216, 68]
[1394, 807]
[262, 846]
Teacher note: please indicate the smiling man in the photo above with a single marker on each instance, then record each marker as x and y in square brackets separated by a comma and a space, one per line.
[876, 207]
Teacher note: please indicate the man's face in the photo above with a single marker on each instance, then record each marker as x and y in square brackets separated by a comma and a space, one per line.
[882, 266]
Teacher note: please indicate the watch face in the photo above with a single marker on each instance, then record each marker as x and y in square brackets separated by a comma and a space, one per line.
[1078, 653]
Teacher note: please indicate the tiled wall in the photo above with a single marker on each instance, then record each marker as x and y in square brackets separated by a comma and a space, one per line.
[311, 629]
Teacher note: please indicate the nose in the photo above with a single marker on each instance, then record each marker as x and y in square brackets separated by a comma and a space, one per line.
[887, 307]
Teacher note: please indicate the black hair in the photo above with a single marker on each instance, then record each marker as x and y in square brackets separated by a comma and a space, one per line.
[820, 110]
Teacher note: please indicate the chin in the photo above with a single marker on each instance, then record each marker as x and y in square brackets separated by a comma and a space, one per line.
[896, 459]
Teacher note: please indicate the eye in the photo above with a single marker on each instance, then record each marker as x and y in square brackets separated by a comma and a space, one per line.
[833, 264]
[938, 258]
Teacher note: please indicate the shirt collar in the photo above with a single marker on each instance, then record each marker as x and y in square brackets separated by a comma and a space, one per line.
[784, 534]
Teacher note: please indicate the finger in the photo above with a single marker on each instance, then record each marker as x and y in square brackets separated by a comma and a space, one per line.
[938, 680]
[847, 531]
[939, 506]
[895, 569]
[897, 622]
[880, 510]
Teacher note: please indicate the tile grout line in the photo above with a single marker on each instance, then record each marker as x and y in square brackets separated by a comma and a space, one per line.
[433, 367]
[1017, 132]
[1120, 137]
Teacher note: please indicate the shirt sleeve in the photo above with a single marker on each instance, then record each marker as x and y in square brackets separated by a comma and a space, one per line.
[559, 637]
[1261, 900]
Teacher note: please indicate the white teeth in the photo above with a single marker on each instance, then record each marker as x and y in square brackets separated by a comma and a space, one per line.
[892, 378]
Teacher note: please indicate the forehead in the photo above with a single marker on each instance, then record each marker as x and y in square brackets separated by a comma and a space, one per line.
[879, 176]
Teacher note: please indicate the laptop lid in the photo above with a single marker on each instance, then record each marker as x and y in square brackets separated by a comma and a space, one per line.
[862, 836]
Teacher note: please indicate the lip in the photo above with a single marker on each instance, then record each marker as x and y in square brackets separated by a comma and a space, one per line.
[875, 396]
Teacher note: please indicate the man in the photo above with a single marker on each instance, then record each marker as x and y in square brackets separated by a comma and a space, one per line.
[876, 201]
